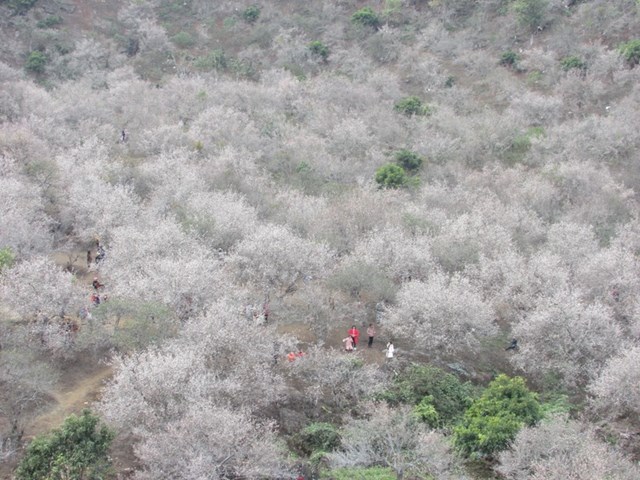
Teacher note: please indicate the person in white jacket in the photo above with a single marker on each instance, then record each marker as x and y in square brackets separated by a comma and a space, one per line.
[390, 349]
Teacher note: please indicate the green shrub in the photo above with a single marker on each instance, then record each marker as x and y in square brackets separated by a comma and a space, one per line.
[573, 62]
[214, 60]
[509, 59]
[251, 14]
[360, 473]
[408, 160]
[49, 21]
[366, 17]
[494, 419]
[449, 396]
[36, 62]
[77, 450]
[630, 51]
[6, 258]
[531, 13]
[426, 411]
[411, 106]
[319, 49]
[391, 176]
[183, 40]
[318, 437]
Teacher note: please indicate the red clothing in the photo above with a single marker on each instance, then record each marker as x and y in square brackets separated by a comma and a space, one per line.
[355, 334]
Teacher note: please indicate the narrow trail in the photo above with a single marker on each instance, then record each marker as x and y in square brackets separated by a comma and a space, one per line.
[74, 394]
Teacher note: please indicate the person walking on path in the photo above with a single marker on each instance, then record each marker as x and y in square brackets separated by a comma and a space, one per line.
[348, 344]
[390, 349]
[354, 333]
[371, 332]
[89, 259]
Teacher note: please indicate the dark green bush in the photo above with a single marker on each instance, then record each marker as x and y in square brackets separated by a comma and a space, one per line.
[251, 14]
[411, 106]
[366, 17]
[319, 49]
[449, 396]
[573, 62]
[318, 437]
[77, 450]
[509, 59]
[391, 176]
[49, 21]
[408, 160]
[494, 419]
[630, 51]
[36, 62]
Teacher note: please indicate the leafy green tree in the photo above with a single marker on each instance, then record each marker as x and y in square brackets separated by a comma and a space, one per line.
[366, 17]
[319, 49]
[531, 13]
[251, 14]
[630, 51]
[494, 420]
[318, 437]
[36, 61]
[411, 106]
[75, 451]
[573, 62]
[408, 160]
[391, 176]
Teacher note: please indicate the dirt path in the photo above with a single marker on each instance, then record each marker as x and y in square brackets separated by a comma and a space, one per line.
[77, 391]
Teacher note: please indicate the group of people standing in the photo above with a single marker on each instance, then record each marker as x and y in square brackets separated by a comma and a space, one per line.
[351, 341]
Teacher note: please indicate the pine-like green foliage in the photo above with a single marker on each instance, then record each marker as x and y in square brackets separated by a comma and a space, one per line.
[391, 176]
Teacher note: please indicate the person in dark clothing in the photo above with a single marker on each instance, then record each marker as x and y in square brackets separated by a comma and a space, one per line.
[513, 345]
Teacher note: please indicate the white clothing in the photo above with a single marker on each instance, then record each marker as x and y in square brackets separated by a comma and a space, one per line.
[390, 350]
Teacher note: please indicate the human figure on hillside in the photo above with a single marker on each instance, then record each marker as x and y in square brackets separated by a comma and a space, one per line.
[95, 299]
[89, 259]
[266, 309]
[123, 136]
[348, 344]
[96, 283]
[101, 253]
[513, 345]
[390, 350]
[371, 332]
[354, 333]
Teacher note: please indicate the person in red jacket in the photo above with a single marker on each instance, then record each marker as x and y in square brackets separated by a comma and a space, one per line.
[354, 333]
